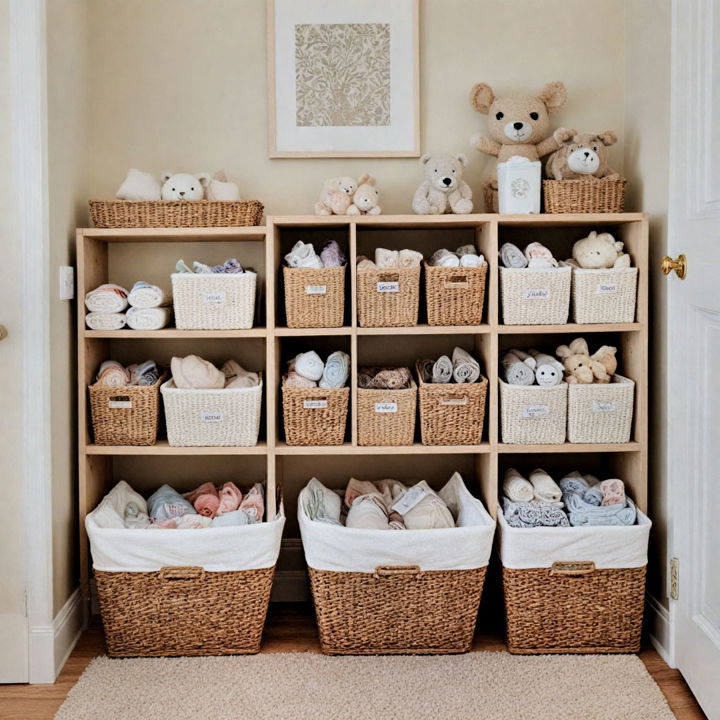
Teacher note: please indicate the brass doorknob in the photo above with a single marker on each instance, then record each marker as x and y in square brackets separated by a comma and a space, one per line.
[667, 265]
[3, 332]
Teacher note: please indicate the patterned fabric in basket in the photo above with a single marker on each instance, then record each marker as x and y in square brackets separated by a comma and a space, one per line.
[589, 195]
[535, 297]
[315, 416]
[601, 413]
[388, 298]
[604, 296]
[533, 415]
[455, 296]
[386, 417]
[314, 297]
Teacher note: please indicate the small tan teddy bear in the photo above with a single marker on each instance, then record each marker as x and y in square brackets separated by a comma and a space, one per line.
[443, 190]
[583, 368]
[583, 155]
[598, 251]
[366, 198]
[335, 196]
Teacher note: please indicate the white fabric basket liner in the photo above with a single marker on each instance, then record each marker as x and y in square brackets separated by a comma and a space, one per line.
[608, 546]
[222, 549]
[343, 549]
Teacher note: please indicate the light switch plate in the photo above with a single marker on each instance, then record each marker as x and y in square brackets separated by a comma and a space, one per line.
[67, 282]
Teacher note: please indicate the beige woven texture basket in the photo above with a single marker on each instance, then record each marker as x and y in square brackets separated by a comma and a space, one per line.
[604, 296]
[228, 417]
[315, 416]
[169, 214]
[314, 297]
[451, 414]
[214, 302]
[455, 296]
[386, 417]
[601, 413]
[396, 610]
[589, 195]
[535, 297]
[533, 415]
[388, 298]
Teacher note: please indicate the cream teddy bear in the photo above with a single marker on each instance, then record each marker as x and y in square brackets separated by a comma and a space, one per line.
[598, 251]
[184, 186]
[443, 190]
[583, 155]
[581, 367]
[336, 196]
[366, 198]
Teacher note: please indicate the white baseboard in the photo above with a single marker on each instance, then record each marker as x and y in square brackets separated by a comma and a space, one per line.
[659, 626]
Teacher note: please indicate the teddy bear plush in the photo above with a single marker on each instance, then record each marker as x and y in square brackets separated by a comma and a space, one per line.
[366, 198]
[581, 367]
[139, 186]
[583, 155]
[443, 190]
[184, 186]
[336, 196]
[218, 188]
[598, 251]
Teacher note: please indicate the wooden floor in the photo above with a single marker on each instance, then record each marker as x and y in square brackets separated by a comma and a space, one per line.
[290, 628]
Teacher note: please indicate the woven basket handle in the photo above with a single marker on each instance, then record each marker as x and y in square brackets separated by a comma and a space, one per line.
[182, 573]
[585, 567]
[450, 400]
[388, 277]
[385, 571]
[457, 281]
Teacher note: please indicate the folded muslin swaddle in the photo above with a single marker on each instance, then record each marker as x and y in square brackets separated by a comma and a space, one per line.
[166, 503]
[581, 512]
[336, 371]
[303, 255]
[105, 321]
[516, 487]
[148, 318]
[613, 492]
[331, 255]
[534, 514]
[544, 487]
[428, 513]
[465, 368]
[194, 373]
[143, 295]
[108, 298]
[388, 378]
[236, 376]
[322, 504]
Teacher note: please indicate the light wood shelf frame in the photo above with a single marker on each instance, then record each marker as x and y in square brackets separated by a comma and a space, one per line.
[628, 460]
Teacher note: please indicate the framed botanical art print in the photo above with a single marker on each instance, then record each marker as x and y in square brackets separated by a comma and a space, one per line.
[343, 78]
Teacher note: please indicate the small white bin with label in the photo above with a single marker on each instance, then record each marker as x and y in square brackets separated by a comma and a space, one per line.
[533, 415]
[604, 296]
[535, 297]
[601, 413]
[229, 417]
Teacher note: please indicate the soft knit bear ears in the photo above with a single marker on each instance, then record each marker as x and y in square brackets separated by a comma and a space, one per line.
[553, 96]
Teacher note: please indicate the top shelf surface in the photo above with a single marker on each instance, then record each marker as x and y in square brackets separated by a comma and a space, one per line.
[203, 234]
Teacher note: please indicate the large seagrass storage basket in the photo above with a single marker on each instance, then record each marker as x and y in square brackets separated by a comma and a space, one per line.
[314, 416]
[314, 297]
[535, 297]
[589, 195]
[386, 417]
[455, 296]
[388, 298]
[533, 415]
[601, 413]
[604, 296]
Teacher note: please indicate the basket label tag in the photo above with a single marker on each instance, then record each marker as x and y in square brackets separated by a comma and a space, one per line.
[535, 411]
[409, 500]
[606, 289]
[314, 404]
[386, 407]
[537, 293]
[603, 407]
[388, 287]
[120, 402]
[208, 417]
[315, 289]
[213, 298]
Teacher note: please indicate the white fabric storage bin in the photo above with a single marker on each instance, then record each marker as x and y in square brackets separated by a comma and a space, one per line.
[533, 415]
[604, 296]
[211, 418]
[214, 301]
[601, 413]
[535, 297]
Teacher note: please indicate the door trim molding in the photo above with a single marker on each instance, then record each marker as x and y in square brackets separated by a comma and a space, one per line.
[659, 625]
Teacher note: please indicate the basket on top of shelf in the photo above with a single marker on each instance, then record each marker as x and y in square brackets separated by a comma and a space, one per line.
[451, 413]
[532, 296]
[604, 296]
[314, 416]
[227, 417]
[314, 297]
[601, 412]
[589, 195]
[533, 414]
[126, 415]
[388, 297]
[214, 301]
[175, 213]
[386, 417]
[455, 295]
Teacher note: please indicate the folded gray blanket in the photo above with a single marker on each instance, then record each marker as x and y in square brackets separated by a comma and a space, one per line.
[534, 514]
[581, 512]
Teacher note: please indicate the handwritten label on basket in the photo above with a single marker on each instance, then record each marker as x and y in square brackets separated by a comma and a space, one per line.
[456, 281]
[454, 401]
[603, 407]
[409, 500]
[606, 289]
[537, 293]
[388, 287]
[386, 407]
[314, 404]
[213, 298]
[535, 411]
[315, 289]
[121, 401]
[211, 417]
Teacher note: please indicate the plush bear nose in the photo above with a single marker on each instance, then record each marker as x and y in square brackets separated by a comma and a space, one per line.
[447, 180]
[181, 193]
[518, 125]
[587, 154]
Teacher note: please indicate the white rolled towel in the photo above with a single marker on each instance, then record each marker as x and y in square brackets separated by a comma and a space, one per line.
[444, 258]
[474, 261]
[336, 371]
[107, 298]
[545, 488]
[409, 258]
[144, 295]
[467, 250]
[548, 370]
[515, 370]
[516, 487]
[148, 318]
[105, 321]
[466, 369]
[386, 258]
[365, 263]
[236, 376]
[308, 365]
[303, 255]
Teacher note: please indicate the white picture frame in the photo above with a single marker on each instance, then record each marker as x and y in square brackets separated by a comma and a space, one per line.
[378, 113]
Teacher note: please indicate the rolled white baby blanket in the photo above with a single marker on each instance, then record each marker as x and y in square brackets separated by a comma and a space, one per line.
[539, 257]
[516, 487]
[409, 258]
[386, 258]
[309, 365]
[466, 369]
[444, 258]
[236, 376]
[545, 488]
[442, 370]
[516, 371]
[337, 370]
[154, 318]
[303, 255]
[105, 321]
[512, 257]
[474, 261]
[108, 298]
[144, 295]
[194, 373]
[365, 263]
[113, 374]
[548, 370]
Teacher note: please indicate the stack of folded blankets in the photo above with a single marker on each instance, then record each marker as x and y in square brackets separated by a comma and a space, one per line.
[229, 267]
[577, 500]
[531, 368]
[378, 505]
[384, 378]
[303, 255]
[145, 307]
[307, 370]
[385, 259]
[464, 256]
[463, 368]
[194, 373]
[114, 374]
[535, 257]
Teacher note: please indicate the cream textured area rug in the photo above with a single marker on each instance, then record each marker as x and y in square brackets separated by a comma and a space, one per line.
[305, 686]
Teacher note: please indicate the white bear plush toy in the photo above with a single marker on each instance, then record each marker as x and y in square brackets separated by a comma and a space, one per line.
[443, 190]
[183, 186]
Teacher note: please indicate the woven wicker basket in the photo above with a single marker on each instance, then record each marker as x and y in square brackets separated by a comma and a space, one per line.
[228, 417]
[314, 297]
[455, 296]
[535, 297]
[601, 413]
[314, 416]
[589, 195]
[388, 298]
[604, 296]
[168, 214]
[214, 302]
[396, 610]
[386, 417]
[451, 414]
[125, 415]
[533, 415]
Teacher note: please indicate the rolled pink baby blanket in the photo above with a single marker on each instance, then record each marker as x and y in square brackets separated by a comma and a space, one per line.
[204, 489]
[230, 498]
[613, 492]
[113, 374]
[207, 505]
[253, 504]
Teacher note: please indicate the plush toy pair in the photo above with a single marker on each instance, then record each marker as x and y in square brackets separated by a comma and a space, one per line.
[581, 367]
[141, 186]
[599, 251]
[344, 196]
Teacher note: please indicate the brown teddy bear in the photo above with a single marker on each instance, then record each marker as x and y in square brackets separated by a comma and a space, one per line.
[583, 155]
[581, 367]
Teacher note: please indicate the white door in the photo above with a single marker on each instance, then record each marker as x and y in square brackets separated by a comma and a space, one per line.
[693, 385]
